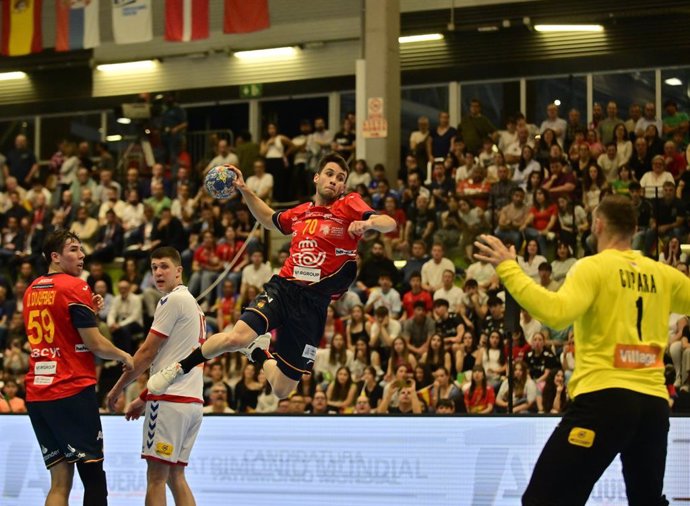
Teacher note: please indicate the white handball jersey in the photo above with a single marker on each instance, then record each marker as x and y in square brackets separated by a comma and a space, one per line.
[181, 322]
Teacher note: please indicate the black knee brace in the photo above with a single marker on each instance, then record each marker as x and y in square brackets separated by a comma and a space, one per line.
[95, 488]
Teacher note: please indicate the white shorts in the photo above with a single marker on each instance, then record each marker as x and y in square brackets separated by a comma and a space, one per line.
[170, 429]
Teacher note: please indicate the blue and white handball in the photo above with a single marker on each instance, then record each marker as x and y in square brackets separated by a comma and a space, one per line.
[220, 182]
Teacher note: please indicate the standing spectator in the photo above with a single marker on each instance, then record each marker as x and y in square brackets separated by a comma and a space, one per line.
[597, 116]
[475, 127]
[300, 161]
[274, 147]
[624, 147]
[441, 139]
[609, 162]
[246, 149]
[418, 141]
[606, 126]
[572, 127]
[553, 122]
[174, 128]
[320, 142]
[21, 162]
[345, 141]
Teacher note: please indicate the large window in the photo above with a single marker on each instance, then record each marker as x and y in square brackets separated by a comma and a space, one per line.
[77, 126]
[288, 113]
[568, 92]
[625, 88]
[428, 101]
[10, 129]
[499, 100]
[675, 84]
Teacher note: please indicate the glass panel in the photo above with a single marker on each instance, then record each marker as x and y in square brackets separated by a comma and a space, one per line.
[79, 127]
[625, 89]
[416, 102]
[348, 102]
[570, 91]
[675, 85]
[288, 113]
[499, 100]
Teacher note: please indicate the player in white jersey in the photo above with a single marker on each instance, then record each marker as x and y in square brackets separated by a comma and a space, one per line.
[172, 419]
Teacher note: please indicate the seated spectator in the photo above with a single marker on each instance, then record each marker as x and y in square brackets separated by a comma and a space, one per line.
[622, 182]
[16, 359]
[394, 241]
[400, 355]
[257, 273]
[532, 259]
[562, 263]
[360, 175]
[502, 186]
[218, 401]
[654, 142]
[9, 402]
[408, 402]
[573, 223]
[675, 162]
[541, 220]
[451, 224]
[418, 329]
[540, 360]
[358, 326]
[654, 180]
[554, 397]
[247, 390]
[342, 391]
[475, 188]
[86, 227]
[594, 184]
[384, 295]
[448, 291]
[484, 273]
[432, 270]
[468, 163]
[415, 294]
[670, 218]
[365, 358]
[494, 319]
[526, 165]
[125, 319]
[672, 254]
[545, 279]
[436, 354]
[450, 326]
[520, 345]
[372, 267]
[475, 304]
[511, 217]
[415, 262]
[609, 162]
[443, 388]
[524, 391]
[319, 405]
[595, 145]
[467, 356]
[473, 221]
[493, 359]
[560, 183]
[480, 396]
[421, 221]
[333, 326]
[329, 360]
[224, 156]
[109, 240]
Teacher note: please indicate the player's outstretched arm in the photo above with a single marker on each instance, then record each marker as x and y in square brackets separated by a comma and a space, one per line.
[101, 347]
[379, 222]
[261, 211]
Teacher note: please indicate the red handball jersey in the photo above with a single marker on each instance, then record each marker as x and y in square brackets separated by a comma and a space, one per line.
[60, 365]
[322, 253]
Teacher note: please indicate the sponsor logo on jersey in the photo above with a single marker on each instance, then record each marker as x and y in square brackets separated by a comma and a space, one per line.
[81, 348]
[580, 436]
[43, 380]
[637, 356]
[47, 456]
[163, 300]
[45, 368]
[306, 273]
[46, 352]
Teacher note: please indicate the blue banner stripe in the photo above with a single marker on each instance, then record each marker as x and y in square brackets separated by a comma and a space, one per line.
[76, 28]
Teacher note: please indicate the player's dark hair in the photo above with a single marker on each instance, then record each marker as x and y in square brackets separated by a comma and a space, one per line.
[334, 158]
[618, 212]
[56, 241]
[167, 252]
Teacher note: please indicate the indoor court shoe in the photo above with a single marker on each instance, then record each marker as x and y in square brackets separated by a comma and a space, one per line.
[159, 382]
[262, 342]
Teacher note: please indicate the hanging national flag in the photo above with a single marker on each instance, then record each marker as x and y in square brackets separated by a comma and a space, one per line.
[242, 16]
[186, 20]
[21, 27]
[76, 25]
[132, 21]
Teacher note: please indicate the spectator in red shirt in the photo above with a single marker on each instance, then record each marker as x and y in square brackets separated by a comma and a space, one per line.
[479, 397]
[206, 265]
[674, 161]
[476, 187]
[541, 219]
[416, 293]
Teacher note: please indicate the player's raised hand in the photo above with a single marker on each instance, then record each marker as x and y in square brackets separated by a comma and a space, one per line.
[358, 228]
[135, 409]
[239, 182]
[492, 250]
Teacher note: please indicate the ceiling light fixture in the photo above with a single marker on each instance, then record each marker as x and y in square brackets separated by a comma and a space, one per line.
[425, 37]
[9, 76]
[569, 28]
[266, 53]
[673, 81]
[127, 66]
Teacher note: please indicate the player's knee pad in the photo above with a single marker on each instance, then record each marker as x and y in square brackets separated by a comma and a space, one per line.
[95, 488]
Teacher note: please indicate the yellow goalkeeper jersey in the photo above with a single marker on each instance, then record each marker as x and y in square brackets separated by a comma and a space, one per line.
[619, 303]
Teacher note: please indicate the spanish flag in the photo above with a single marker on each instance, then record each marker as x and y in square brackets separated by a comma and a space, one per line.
[21, 27]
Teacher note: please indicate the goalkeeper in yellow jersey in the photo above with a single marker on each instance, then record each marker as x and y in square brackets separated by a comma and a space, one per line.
[619, 302]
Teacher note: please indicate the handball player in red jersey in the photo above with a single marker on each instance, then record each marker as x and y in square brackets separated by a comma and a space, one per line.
[61, 400]
[320, 268]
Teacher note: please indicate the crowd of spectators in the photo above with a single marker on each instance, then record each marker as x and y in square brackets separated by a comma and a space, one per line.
[423, 328]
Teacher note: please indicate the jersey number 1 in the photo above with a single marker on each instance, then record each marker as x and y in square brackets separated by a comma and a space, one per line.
[639, 306]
